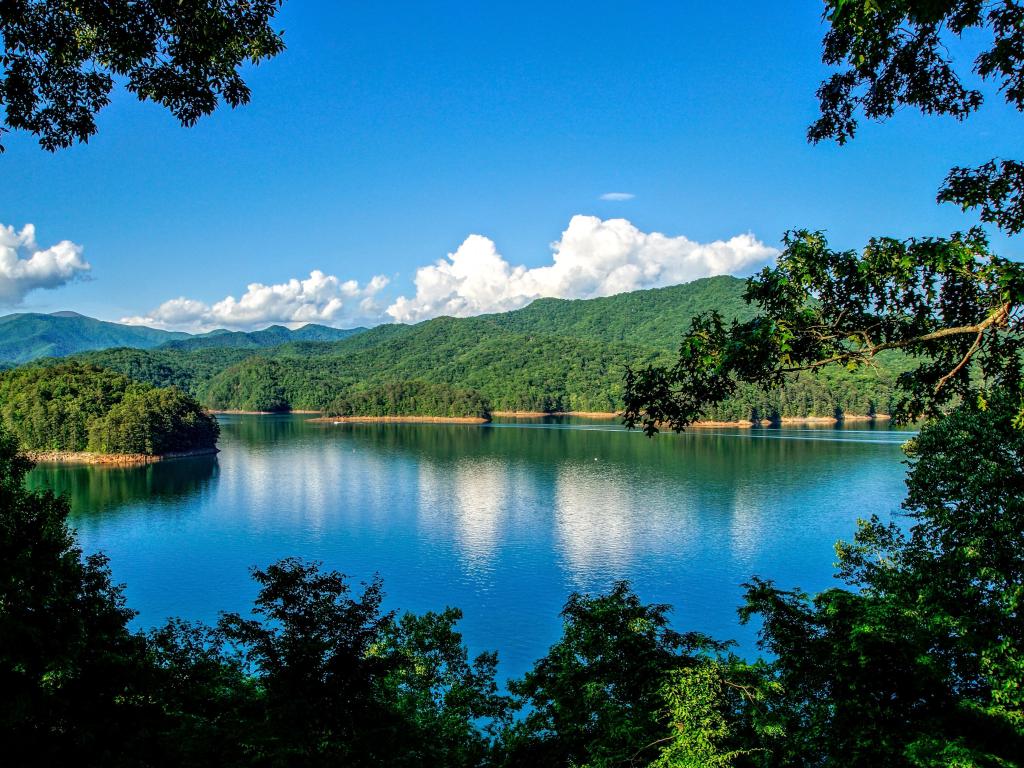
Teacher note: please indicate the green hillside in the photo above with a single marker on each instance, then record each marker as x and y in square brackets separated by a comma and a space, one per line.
[272, 336]
[654, 318]
[70, 406]
[553, 355]
[27, 336]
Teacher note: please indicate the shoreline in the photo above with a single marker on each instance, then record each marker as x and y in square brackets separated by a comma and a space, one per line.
[234, 412]
[399, 420]
[704, 423]
[597, 415]
[544, 414]
[113, 459]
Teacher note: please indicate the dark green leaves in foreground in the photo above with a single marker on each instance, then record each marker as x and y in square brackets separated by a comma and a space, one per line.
[949, 304]
[895, 54]
[59, 61]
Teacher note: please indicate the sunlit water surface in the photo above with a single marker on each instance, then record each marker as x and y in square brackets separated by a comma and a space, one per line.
[503, 520]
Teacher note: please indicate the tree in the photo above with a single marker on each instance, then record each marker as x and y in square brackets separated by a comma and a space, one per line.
[596, 698]
[893, 53]
[59, 61]
[956, 308]
[338, 681]
[72, 674]
[919, 663]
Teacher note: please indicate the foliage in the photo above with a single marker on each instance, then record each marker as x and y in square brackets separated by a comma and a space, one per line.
[72, 406]
[950, 304]
[271, 336]
[923, 664]
[920, 664]
[27, 336]
[596, 698]
[338, 681]
[59, 61]
[963, 558]
[70, 670]
[718, 715]
[411, 398]
[252, 385]
[895, 54]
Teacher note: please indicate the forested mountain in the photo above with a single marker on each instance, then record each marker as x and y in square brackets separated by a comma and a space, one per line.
[27, 336]
[272, 336]
[553, 355]
[74, 407]
[654, 318]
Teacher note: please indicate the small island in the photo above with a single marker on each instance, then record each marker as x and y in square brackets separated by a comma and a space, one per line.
[81, 413]
[409, 401]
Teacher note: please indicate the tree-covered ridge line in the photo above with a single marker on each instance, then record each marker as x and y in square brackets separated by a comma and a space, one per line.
[554, 355]
[647, 317]
[71, 407]
[28, 336]
[411, 398]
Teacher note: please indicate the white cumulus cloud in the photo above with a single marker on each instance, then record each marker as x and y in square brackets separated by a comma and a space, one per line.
[616, 196]
[320, 298]
[24, 266]
[594, 257]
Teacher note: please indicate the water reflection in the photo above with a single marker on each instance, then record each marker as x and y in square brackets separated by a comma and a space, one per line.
[502, 520]
[94, 490]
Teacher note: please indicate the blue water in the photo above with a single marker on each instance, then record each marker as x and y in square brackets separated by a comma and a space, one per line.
[503, 520]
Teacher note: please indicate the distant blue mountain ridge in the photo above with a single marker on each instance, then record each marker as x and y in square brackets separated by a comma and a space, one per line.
[27, 336]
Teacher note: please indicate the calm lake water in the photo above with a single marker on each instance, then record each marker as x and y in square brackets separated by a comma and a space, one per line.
[503, 520]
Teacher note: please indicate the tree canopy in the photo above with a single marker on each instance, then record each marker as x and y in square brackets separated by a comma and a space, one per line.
[60, 61]
[951, 305]
[916, 661]
[894, 53]
[74, 407]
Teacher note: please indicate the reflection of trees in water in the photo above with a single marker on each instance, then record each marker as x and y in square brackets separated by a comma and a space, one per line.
[92, 489]
[250, 430]
[605, 496]
[711, 455]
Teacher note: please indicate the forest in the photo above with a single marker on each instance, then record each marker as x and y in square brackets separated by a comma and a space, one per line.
[411, 398]
[552, 356]
[74, 407]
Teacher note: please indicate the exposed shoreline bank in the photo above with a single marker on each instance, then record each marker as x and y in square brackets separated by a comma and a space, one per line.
[399, 419]
[704, 423]
[112, 459]
[232, 412]
[597, 415]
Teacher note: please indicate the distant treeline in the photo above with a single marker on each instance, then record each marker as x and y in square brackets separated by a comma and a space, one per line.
[411, 398]
[73, 407]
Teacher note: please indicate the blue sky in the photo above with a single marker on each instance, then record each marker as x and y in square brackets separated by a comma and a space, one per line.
[388, 133]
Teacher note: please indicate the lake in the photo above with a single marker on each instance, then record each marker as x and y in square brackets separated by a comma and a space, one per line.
[501, 520]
